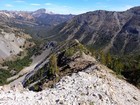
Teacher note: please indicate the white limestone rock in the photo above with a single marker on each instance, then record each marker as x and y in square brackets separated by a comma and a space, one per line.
[89, 87]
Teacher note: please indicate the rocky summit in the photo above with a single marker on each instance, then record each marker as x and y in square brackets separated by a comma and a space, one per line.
[96, 85]
[81, 80]
[93, 85]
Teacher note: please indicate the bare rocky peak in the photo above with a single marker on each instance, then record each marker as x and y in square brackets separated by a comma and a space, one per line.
[42, 11]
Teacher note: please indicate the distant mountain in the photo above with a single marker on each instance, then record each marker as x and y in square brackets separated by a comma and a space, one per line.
[41, 11]
[118, 32]
[35, 23]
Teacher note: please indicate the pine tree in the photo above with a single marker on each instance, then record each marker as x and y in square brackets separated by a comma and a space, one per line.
[53, 70]
[118, 67]
[108, 60]
[102, 58]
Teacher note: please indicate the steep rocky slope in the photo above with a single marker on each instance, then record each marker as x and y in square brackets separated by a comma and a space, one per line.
[118, 32]
[12, 42]
[70, 75]
[14, 49]
[95, 85]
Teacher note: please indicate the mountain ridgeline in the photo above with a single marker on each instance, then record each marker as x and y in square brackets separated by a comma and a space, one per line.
[110, 31]
[65, 59]
[36, 23]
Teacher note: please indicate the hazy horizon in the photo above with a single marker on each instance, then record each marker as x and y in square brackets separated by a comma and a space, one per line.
[69, 6]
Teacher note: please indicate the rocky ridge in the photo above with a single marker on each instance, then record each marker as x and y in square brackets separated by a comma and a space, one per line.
[36, 23]
[95, 85]
[110, 31]
[89, 83]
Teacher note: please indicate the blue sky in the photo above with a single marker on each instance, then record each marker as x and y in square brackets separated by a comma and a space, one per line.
[68, 6]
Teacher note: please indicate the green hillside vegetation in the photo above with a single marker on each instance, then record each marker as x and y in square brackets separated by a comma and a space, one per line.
[48, 72]
[124, 65]
[18, 64]
[4, 74]
[53, 68]
[72, 50]
[127, 66]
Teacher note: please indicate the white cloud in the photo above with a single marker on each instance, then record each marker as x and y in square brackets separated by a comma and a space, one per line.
[19, 1]
[48, 4]
[34, 4]
[8, 5]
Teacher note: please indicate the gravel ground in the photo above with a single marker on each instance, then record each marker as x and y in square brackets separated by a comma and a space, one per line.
[90, 87]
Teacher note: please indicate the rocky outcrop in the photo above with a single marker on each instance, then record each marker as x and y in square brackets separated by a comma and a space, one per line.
[95, 85]
[81, 80]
